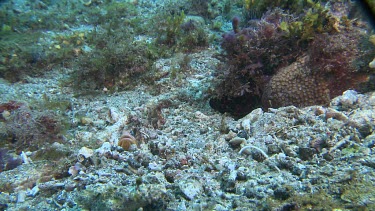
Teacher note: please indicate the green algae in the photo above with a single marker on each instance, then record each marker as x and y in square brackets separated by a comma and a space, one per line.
[122, 48]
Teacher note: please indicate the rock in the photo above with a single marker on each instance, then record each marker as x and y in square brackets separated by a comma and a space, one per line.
[251, 118]
[282, 193]
[61, 198]
[33, 191]
[106, 147]
[242, 134]
[332, 113]
[6, 115]
[273, 148]
[73, 171]
[85, 152]
[306, 153]
[349, 98]
[190, 188]
[21, 197]
[25, 158]
[346, 101]
[155, 167]
[236, 141]
[86, 121]
[363, 120]
[113, 115]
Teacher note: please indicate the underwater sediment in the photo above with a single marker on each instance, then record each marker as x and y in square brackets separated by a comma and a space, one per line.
[186, 105]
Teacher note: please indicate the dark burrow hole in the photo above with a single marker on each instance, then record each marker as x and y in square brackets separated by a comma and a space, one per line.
[237, 107]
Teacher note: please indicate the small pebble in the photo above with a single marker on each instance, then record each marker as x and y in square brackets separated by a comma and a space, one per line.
[21, 197]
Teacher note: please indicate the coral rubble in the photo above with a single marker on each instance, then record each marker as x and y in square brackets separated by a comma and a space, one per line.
[148, 140]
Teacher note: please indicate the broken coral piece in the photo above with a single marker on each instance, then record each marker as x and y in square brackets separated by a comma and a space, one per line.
[372, 64]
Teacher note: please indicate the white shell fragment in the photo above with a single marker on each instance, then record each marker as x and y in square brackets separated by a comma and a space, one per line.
[372, 64]
[85, 152]
[25, 159]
